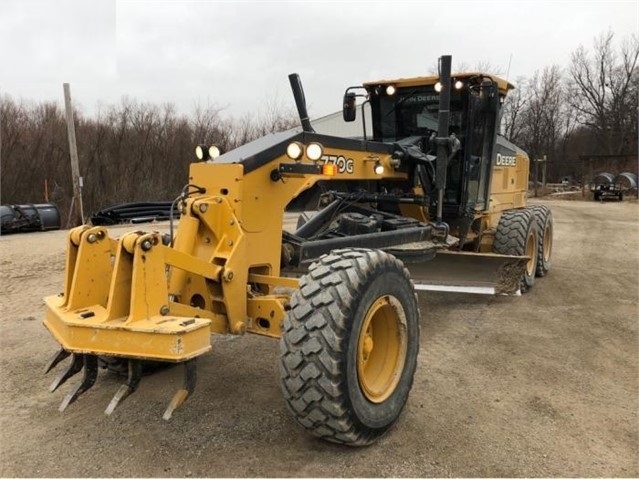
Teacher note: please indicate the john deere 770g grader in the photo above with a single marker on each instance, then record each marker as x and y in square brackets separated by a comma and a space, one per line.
[434, 199]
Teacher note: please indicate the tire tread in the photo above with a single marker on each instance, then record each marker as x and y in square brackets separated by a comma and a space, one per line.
[314, 338]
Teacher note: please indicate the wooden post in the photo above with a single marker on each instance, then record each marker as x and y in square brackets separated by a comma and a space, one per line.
[536, 175]
[75, 168]
[543, 178]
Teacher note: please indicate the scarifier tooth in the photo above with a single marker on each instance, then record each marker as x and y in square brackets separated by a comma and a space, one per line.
[90, 363]
[132, 383]
[57, 357]
[190, 378]
[72, 369]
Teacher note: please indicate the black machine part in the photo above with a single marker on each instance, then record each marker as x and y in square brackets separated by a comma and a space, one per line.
[29, 217]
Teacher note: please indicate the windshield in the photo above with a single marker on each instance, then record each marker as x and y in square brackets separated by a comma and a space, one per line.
[412, 111]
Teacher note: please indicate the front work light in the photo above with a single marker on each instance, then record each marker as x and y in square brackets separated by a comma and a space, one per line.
[314, 151]
[206, 152]
[201, 151]
[294, 150]
[214, 152]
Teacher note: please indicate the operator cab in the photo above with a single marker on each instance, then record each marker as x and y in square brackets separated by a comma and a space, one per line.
[407, 110]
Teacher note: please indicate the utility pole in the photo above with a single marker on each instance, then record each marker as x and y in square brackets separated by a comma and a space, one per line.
[543, 177]
[78, 211]
[543, 174]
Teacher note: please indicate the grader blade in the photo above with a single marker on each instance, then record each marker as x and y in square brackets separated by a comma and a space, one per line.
[72, 369]
[479, 273]
[90, 363]
[57, 357]
[132, 383]
[190, 378]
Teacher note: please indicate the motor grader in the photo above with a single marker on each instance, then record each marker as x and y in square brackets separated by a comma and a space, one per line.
[434, 199]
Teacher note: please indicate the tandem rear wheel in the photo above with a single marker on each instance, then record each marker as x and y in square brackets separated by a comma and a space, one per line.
[543, 220]
[349, 346]
[517, 235]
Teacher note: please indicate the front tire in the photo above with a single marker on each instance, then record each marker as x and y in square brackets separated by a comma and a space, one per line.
[349, 346]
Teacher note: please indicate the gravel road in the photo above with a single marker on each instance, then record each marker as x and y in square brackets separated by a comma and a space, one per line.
[545, 384]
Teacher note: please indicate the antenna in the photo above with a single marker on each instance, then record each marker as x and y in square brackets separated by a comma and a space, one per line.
[509, 61]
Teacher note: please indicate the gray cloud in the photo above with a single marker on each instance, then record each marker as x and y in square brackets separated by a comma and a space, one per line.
[238, 54]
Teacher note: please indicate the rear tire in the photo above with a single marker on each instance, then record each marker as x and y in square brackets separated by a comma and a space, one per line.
[517, 235]
[543, 219]
[349, 346]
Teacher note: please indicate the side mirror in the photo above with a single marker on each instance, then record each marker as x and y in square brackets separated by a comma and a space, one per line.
[489, 97]
[349, 111]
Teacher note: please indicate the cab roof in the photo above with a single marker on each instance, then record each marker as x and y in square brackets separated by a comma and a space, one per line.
[503, 85]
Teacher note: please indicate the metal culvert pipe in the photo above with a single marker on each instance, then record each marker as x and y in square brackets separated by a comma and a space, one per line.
[628, 181]
[604, 178]
[29, 217]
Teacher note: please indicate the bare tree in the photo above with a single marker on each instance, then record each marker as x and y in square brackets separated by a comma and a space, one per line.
[128, 152]
[605, 94]
[272, 118]
[542, 115]
[512, 110]
[540, 120]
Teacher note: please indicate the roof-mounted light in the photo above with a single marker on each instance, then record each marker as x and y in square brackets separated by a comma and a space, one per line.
[214, 152]
[206, 152]
[200, 152]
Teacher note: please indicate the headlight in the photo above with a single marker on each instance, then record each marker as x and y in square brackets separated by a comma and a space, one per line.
[294, 150]
[458, 85]
[390, 90]
[379, 168]
[314, 151]
[214, 152]
[438, 87]
[200, 152]
[206, 152]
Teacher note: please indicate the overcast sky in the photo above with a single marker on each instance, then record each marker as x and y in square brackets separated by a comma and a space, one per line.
[237, 55]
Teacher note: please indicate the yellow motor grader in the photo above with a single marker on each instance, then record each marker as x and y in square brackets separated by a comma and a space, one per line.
[434, 199]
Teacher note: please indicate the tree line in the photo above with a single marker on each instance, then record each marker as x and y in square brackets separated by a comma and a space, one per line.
[128, 152]
[141, 152]
[590, 107]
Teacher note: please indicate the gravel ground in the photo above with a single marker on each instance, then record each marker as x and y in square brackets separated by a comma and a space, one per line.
[545, 384]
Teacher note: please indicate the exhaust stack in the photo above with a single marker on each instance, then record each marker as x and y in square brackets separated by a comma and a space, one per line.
[442, 133]
[300, 102]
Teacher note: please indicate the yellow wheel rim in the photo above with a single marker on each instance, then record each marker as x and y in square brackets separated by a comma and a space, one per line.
[531, 249]
[381, 349]
[547, 242]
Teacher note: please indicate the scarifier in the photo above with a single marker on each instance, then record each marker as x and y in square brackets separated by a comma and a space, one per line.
[436, 199]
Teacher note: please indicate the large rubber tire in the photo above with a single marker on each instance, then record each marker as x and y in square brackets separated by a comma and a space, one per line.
[517, 235]
[349, 346]
[543, 219]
